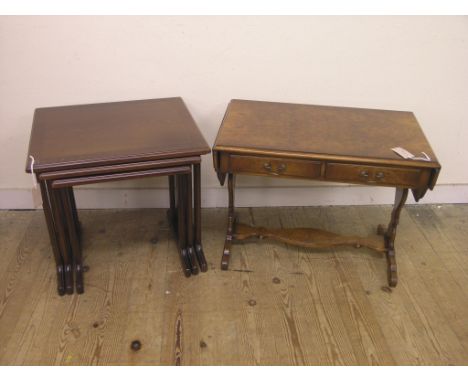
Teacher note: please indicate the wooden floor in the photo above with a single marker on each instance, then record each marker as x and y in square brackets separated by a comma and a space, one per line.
[277, 305]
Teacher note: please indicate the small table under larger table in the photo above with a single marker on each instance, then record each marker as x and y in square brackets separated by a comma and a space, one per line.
[84, 144]
[334, 144]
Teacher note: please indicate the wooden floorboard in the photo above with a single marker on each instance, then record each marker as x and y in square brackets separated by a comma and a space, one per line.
[277, 305]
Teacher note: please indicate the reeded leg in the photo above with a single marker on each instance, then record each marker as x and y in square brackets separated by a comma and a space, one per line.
[53, 238]
[231, 224]
[72, 230]
[189, 223]
[390, 233]
[197, 217]
[181, 234]
[65, 250]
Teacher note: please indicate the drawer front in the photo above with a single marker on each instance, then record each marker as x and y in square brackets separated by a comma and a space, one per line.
[390, 176]
[274, 166]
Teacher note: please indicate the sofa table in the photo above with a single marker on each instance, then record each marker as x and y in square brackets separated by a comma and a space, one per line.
[83, 144]
[334, 144]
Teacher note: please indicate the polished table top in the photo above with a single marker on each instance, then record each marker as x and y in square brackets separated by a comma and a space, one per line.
[80, 136]
[322, 132]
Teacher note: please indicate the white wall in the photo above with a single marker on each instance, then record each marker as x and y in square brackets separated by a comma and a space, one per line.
[407, 63]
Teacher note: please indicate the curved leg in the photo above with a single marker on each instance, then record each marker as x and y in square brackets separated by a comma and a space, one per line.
[197, 218]
[390, 233]
[231, 224]
[53, 238]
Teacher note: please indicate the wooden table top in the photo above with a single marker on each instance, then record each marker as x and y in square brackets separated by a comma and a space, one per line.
[111, 133]
[321, 132]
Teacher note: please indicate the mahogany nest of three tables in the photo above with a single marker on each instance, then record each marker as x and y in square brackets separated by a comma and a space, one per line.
[83, 144]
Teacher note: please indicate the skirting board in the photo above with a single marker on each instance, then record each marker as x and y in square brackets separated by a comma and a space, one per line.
[101, 198]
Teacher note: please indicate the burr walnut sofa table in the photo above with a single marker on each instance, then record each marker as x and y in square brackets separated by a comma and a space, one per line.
[334, 144]
[83, 144]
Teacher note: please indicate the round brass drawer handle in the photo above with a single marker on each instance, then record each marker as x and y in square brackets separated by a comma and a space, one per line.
[267, 166]
[364, 174]
[380, 175]
[281, 168]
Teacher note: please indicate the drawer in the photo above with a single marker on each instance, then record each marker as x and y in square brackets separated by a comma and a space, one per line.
[274, 166]
[390, 176]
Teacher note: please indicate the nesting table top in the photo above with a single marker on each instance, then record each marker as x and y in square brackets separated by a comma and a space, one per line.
[76, 136]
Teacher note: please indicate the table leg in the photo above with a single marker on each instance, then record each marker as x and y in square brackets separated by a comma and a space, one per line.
[181, 223]
[171, 213]
[231, 223]
[57, 208]
[390, 233]
[189, 223]
[197, 217]
[72, 229]
[53, 238]
[74, 210]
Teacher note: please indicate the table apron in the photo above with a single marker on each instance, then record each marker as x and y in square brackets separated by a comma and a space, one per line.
[123, 176]
[120, 168]
[331, 171]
